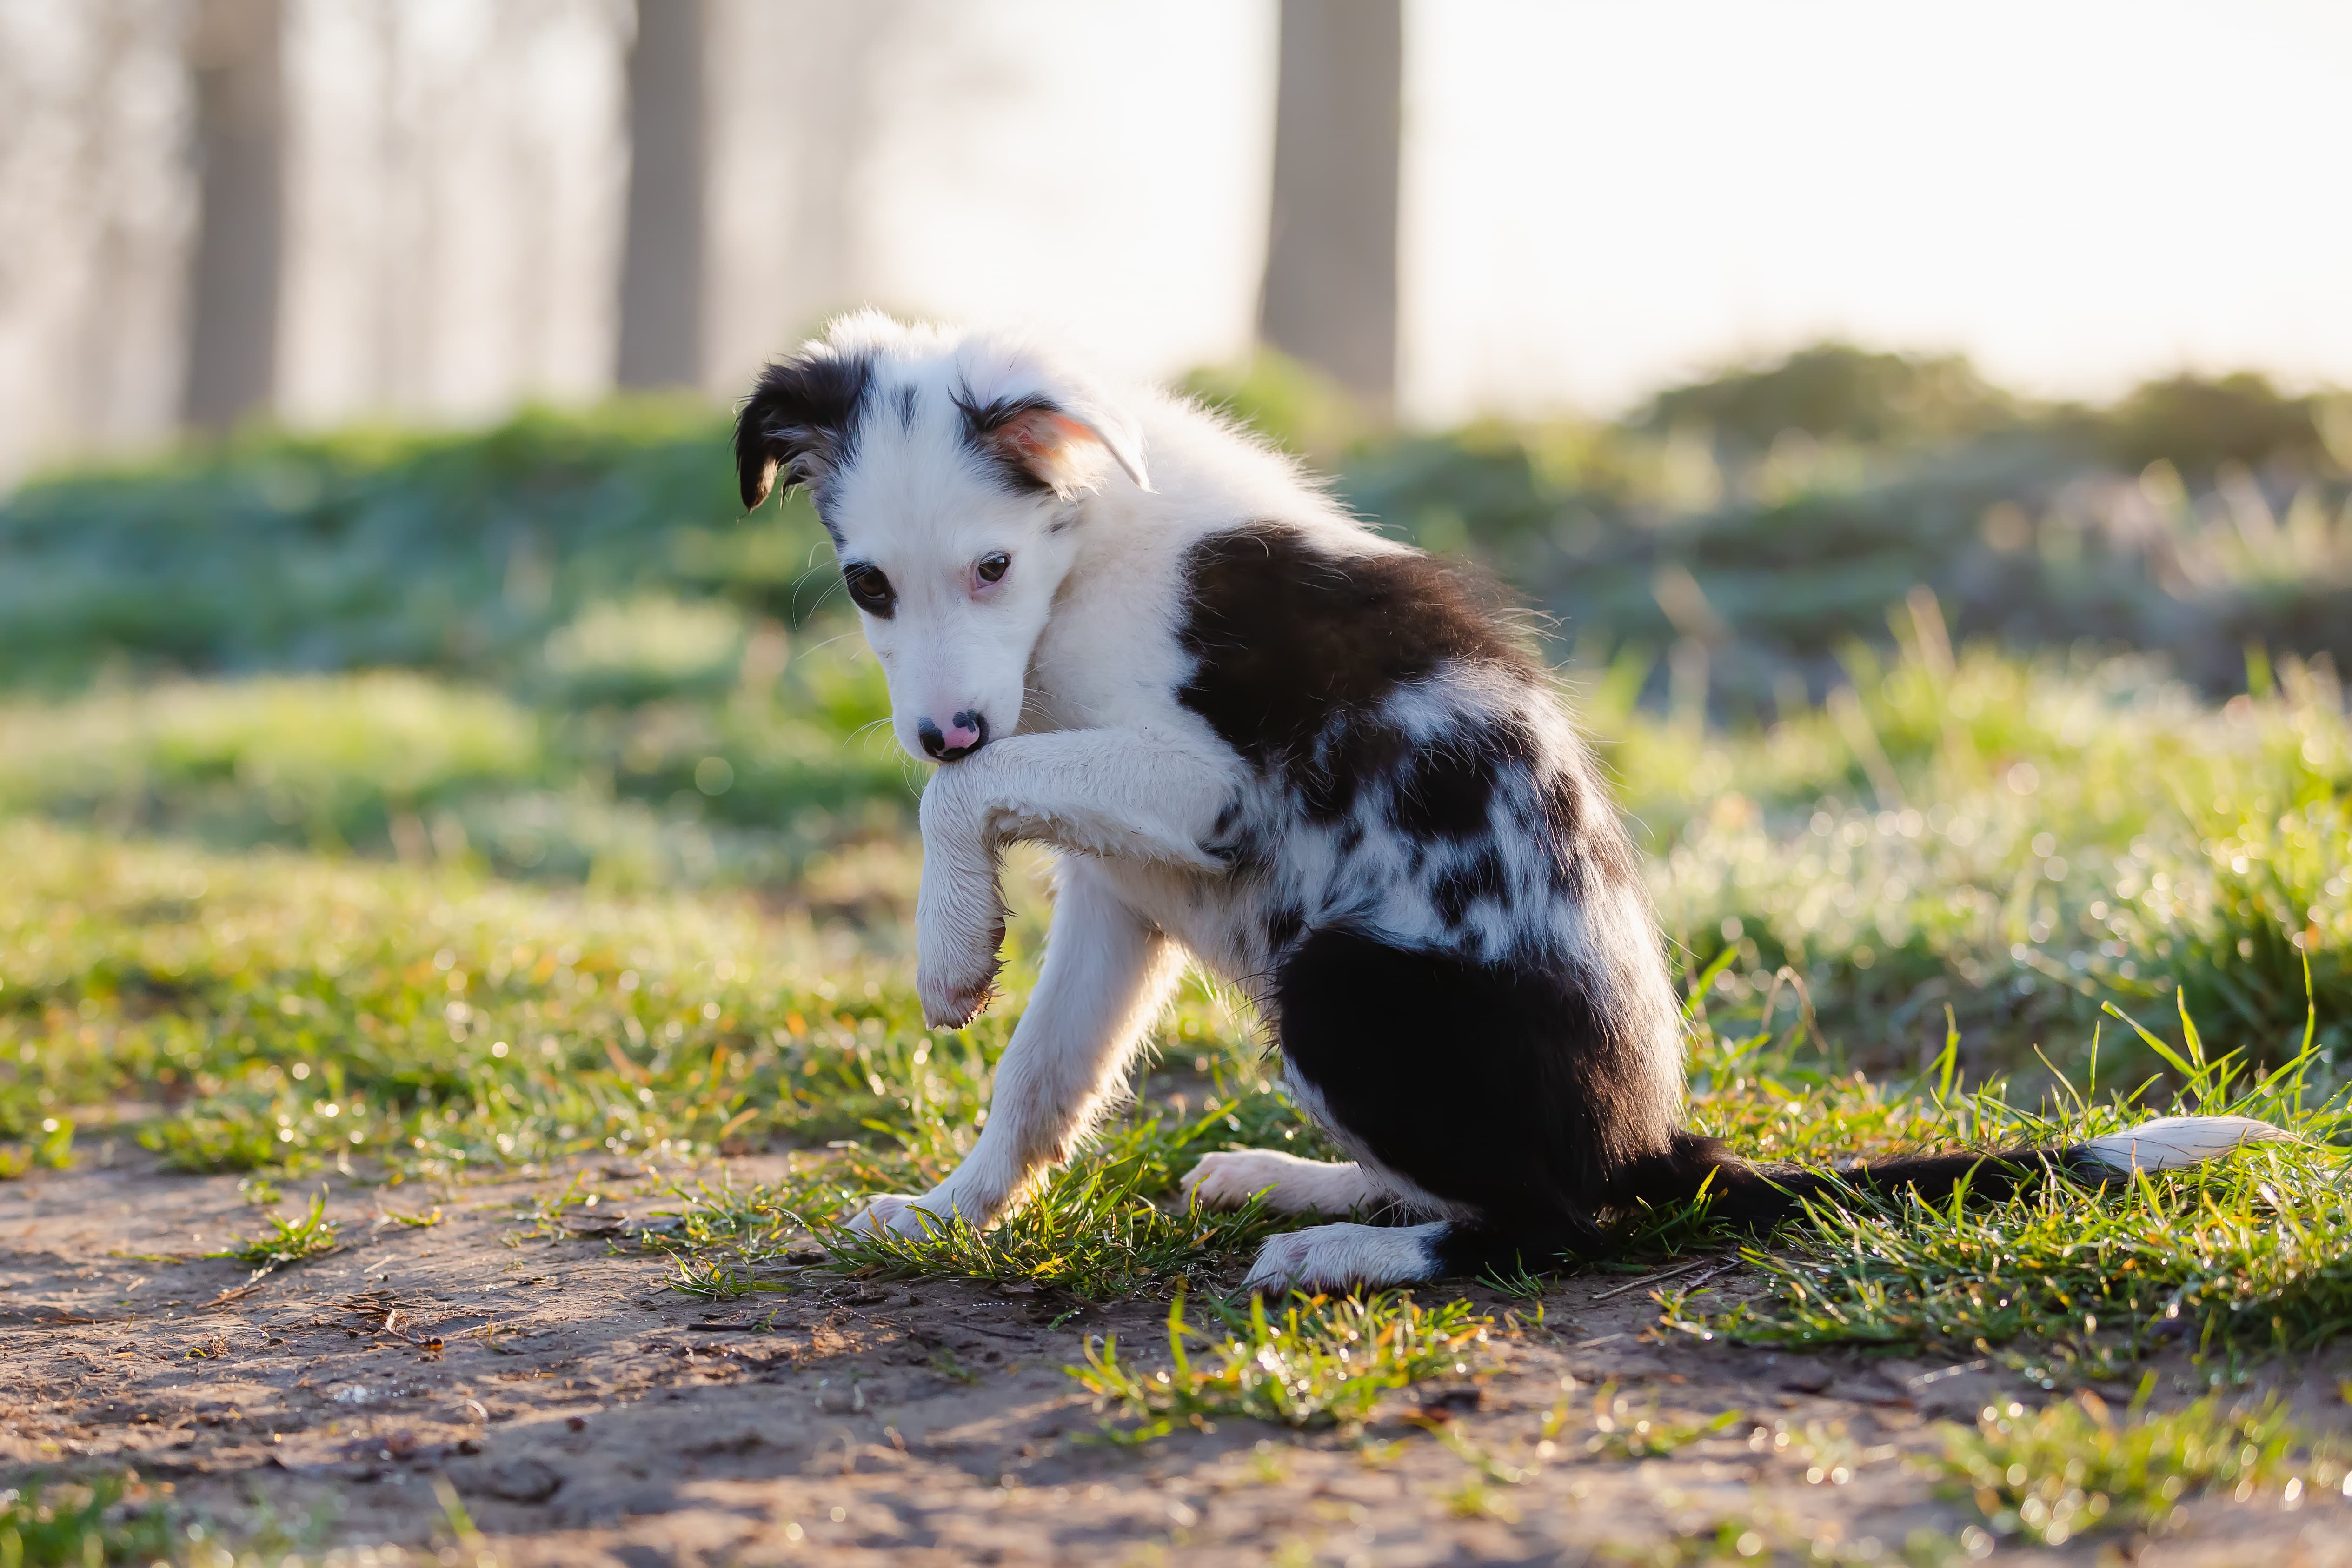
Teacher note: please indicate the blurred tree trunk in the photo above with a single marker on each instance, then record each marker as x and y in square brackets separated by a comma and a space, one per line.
[1331, 251]
[662, 262]
[233, 291]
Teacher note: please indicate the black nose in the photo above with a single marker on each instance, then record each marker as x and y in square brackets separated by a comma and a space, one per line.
[936, 743]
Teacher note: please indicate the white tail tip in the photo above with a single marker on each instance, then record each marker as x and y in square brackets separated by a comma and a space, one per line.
[2174, 1142]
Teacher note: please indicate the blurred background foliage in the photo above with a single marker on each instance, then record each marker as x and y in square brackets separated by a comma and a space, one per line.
[1924, 695]
[1769, 515]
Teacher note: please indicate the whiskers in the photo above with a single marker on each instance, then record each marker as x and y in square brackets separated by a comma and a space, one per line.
[831, 584]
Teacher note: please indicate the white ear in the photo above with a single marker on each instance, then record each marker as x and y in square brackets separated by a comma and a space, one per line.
[1062, 448]
[1039, 417]
[1114, 432]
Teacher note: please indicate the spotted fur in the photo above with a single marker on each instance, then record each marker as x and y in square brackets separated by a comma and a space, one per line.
[1269, 742]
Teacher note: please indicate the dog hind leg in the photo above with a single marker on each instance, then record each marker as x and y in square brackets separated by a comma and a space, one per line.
[1338, 1257]
[1230, 1177]
[1509, 1133]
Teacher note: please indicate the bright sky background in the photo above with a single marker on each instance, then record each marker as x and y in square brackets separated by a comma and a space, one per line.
[2078, 193]
[1603, 195]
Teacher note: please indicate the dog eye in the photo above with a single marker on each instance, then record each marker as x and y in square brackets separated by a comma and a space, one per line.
[870, 588]
[992, 566]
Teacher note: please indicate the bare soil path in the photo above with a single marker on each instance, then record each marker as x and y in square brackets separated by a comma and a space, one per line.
[587, 1414]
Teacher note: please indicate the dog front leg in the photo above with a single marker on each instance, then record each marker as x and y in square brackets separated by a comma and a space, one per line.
[1114, 794]
[1107, 975]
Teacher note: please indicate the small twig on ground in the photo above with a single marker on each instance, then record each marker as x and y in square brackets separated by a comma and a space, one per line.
[1666, 1274]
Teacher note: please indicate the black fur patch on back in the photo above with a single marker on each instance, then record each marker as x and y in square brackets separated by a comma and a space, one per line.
[1511, 1089]
[1446, 792]
[1474, 881]
[1329, 776]
[1286, 637]
[1587, 835]
[802, 417]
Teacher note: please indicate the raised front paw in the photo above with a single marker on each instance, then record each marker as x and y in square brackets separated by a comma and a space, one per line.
[958, 931]
[954, 981]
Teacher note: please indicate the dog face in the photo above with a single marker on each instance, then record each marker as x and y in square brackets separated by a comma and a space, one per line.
[950, 470]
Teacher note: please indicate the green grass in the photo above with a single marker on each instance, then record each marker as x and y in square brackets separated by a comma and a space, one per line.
[276, 1010]
[748, 784]
[2252, 1254]
[68, 1524]
[287, 1241]
[39, 1142]
[2018, 841]
[1101, 1229]
[2076, 1466]
[422, 804]
[456, 552]
[1308, 1362]
[2021, 842]
[1620, 1432]
[286, 1011]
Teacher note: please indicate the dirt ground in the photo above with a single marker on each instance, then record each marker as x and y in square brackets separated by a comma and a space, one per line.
[588, 1414]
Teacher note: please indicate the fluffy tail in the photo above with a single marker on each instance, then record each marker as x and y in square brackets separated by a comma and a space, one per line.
[1766, 1195]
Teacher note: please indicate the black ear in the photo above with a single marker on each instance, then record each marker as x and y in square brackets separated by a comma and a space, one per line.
[802, 418]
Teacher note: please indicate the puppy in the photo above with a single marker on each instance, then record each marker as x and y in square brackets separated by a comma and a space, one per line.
[1268, 741]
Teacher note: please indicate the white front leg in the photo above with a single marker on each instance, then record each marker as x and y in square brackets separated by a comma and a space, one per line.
[1114, 794]
[1107, 975]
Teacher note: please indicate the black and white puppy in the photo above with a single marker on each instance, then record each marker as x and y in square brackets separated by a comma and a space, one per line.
[1308, 758]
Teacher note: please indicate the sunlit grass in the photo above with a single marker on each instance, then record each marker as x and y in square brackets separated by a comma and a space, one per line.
[1311, 1361]
[287, 1241]
[2020, 842]
[2250, 1253]
[2016, 840]
[1100, 1229]
[745, 776]
[1621, 1431]
[1955, 871]
[68, 1524]
[2078, 1466]
[30, 1140]
[1103, 1228]
[287, 1011]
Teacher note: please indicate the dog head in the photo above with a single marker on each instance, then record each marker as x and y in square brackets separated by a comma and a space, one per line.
[950, 470]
